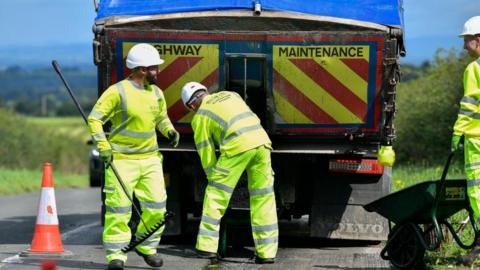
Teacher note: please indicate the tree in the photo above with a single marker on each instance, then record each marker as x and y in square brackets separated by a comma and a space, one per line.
[427, 109]
[26, 105]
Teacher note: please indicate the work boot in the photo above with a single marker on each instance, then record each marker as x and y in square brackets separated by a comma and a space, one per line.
[259, 260]
[205, 254]
[115, 265]
[154, 260]
[469, 259]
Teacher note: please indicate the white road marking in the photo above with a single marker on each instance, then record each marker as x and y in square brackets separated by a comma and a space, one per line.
[66, 235]
[13, 259]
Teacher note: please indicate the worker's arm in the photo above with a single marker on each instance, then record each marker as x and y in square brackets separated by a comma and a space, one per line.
[105, 108]
[470, 102]
[204, 143]
[163, 123]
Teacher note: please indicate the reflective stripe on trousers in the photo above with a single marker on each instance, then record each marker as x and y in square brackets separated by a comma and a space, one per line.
[472, 172]
[263, 212]
[145, 178]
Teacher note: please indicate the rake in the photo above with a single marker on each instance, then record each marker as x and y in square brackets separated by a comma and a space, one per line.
[149, 231]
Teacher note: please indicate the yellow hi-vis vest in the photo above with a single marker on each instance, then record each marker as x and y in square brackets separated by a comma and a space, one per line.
[134, 113]
[468, 120]
[226, 121]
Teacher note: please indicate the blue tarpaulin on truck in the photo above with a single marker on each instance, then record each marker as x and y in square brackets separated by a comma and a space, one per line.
[387, 12]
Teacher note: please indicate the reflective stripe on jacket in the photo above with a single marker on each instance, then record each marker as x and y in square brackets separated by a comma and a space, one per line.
[468, 120]
[226, 121]
[135, 114]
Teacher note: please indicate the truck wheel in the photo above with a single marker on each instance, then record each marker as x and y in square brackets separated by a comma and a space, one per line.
[405, 250]
[222, 242]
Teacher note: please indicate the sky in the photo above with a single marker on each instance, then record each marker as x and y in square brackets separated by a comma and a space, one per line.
[41, 22]
[429, 25]
[433, 24]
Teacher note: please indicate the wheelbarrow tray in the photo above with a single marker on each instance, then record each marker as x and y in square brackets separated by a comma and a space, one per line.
[414, 204]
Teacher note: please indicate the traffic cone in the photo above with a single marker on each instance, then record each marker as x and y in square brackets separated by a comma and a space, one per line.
[49, 265]
[46, 238]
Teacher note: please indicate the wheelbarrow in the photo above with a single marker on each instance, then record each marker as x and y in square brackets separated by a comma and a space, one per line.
[430, 202]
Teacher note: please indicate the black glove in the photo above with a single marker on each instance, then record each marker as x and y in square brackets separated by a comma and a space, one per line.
[174, 138]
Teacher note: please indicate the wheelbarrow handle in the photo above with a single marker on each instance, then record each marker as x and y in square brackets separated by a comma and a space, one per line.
[439, 192]
[447, 166]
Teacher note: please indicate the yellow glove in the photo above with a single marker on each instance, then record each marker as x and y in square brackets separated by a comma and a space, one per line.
[386, 155]
[106, 156]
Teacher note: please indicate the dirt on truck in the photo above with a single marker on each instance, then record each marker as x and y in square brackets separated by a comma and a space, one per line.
[321, 76]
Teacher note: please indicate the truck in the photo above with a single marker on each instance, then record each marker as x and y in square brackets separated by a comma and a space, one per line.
[320, 75]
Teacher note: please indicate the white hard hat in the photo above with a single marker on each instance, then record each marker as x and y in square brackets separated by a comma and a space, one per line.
[471, 27]
[189, 89]
[143, 55]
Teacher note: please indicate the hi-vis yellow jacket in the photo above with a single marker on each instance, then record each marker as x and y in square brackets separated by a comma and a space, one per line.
[226, 121]
[134, 113]
[468, 120]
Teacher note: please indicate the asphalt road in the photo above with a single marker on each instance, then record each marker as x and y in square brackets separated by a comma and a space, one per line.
[78, 213]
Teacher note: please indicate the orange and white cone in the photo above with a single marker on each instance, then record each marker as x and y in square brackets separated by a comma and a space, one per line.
[46, 238]
[49, 265]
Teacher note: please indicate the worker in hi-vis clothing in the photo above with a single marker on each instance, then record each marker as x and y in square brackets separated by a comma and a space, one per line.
[468, 123]
[223, 119]
[136, 108]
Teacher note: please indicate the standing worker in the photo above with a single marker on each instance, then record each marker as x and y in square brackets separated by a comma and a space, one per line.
[136, 107]
[468, 123]
[223, 119]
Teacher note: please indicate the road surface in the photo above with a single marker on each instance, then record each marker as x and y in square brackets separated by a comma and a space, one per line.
[81, 233]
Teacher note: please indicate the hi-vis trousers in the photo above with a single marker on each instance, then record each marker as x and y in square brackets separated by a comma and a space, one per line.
[144, 177]
[263, 211]
[472, 171]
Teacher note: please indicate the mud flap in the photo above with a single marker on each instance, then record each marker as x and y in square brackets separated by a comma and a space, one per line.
[347, 222]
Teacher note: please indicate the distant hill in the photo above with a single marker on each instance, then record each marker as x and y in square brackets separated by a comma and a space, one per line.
[33, 57]
[15, 81]
[39, 91]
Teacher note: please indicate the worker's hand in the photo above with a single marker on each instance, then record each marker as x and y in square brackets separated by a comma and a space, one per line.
[455, 142]
[174, 138]
[106, 155]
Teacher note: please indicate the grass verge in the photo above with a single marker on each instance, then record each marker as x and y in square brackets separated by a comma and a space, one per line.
[411, 174]
[22, 180]
[74, 127]
[446, 256]
[27, 142]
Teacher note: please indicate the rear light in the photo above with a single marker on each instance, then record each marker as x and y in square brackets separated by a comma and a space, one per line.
[361, 166]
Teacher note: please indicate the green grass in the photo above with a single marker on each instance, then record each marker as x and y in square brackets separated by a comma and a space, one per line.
[27, 142]
[21, 181]
[446, 256]
[407, 175]
[73, 127]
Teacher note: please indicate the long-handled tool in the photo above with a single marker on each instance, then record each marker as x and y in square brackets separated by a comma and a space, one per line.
[150, 231]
